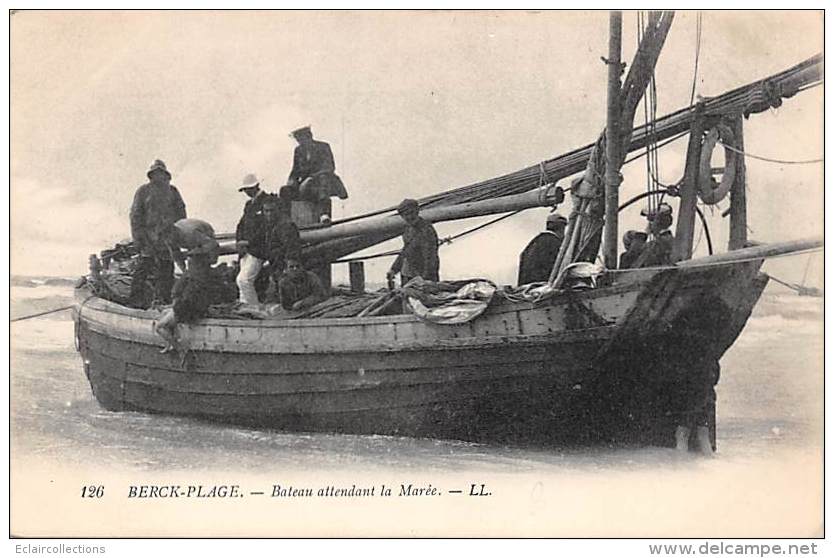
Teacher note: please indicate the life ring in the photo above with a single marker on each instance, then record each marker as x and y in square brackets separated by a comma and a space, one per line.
[709, 190]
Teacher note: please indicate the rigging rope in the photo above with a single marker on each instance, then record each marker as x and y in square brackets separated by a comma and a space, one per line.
[21, 318]
[441, 242]
[770, 160]
[697, 58]
[747, 99]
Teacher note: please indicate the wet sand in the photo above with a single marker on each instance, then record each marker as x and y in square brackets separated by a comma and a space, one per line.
[765, 481]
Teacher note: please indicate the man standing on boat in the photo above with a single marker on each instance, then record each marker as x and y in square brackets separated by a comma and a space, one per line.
[536, 261]
[193, 291]
[156, 206]
[249, 237]
[281, 239]
[313, 176]
[418, 257]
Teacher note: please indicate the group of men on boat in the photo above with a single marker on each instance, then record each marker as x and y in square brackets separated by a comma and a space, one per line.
[536, 262]
[270, 264]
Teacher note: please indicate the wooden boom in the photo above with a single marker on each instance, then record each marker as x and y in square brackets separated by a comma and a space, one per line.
[392, 225]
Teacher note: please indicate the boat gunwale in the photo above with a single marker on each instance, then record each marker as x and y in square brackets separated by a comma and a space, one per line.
[637, 279]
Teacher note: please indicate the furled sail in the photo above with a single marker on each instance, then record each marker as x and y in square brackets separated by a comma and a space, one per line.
[748, 99]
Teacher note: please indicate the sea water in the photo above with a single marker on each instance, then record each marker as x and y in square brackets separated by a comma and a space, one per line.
[767, 471]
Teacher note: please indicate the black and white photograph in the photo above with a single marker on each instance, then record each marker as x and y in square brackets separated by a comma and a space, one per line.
[416, 274]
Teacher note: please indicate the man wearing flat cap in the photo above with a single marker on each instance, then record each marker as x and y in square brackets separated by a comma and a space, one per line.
[537, 259]
[418, 257]
[250, 239]
[313, 176]
[157, 205]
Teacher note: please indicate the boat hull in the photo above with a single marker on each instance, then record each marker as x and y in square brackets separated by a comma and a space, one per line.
[606, 363]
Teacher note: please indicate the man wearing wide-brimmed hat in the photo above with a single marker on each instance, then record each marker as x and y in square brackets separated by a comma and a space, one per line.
[313, 176]
[156, 206]
[418, 257]
[250, 238]
[537, 258]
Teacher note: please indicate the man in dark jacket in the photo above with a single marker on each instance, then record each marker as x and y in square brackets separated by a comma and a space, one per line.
[157, 205]
[418, 257]
[281, 239]
[299, 289]
[536, 261]
[634, 243]
[249, 238]
[658, 252]
[313, 175]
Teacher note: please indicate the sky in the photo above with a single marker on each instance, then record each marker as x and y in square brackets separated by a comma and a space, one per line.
[412, 103]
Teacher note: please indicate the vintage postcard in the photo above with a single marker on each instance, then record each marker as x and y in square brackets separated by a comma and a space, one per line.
[416, 274]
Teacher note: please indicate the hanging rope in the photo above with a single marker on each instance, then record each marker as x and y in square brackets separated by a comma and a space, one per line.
[704, 229]
[770, 160]
[659, 145]
[697, 58]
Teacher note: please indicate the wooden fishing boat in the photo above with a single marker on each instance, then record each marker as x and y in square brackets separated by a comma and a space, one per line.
[610, 362]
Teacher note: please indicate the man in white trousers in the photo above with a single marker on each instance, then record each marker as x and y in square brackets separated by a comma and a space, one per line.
[250, 237]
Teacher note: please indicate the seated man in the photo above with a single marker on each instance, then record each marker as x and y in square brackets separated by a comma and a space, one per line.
[634, 243]
[313, 174]
[192, 292]
[281, 238]
[299, 289]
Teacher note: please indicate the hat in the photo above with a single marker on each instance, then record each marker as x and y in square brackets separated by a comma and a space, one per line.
[408, 205]
[249, 181]
[304, 130]
[556, 218]
[158, 165]
[663, 208]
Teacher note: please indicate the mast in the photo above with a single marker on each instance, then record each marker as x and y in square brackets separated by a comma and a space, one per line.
[738, 194]
[612, 148]
[589, 193]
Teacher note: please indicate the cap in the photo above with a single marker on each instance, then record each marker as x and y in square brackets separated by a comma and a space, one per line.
[556, 218]
[304, 130]
[408, 205]
[249, 181]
